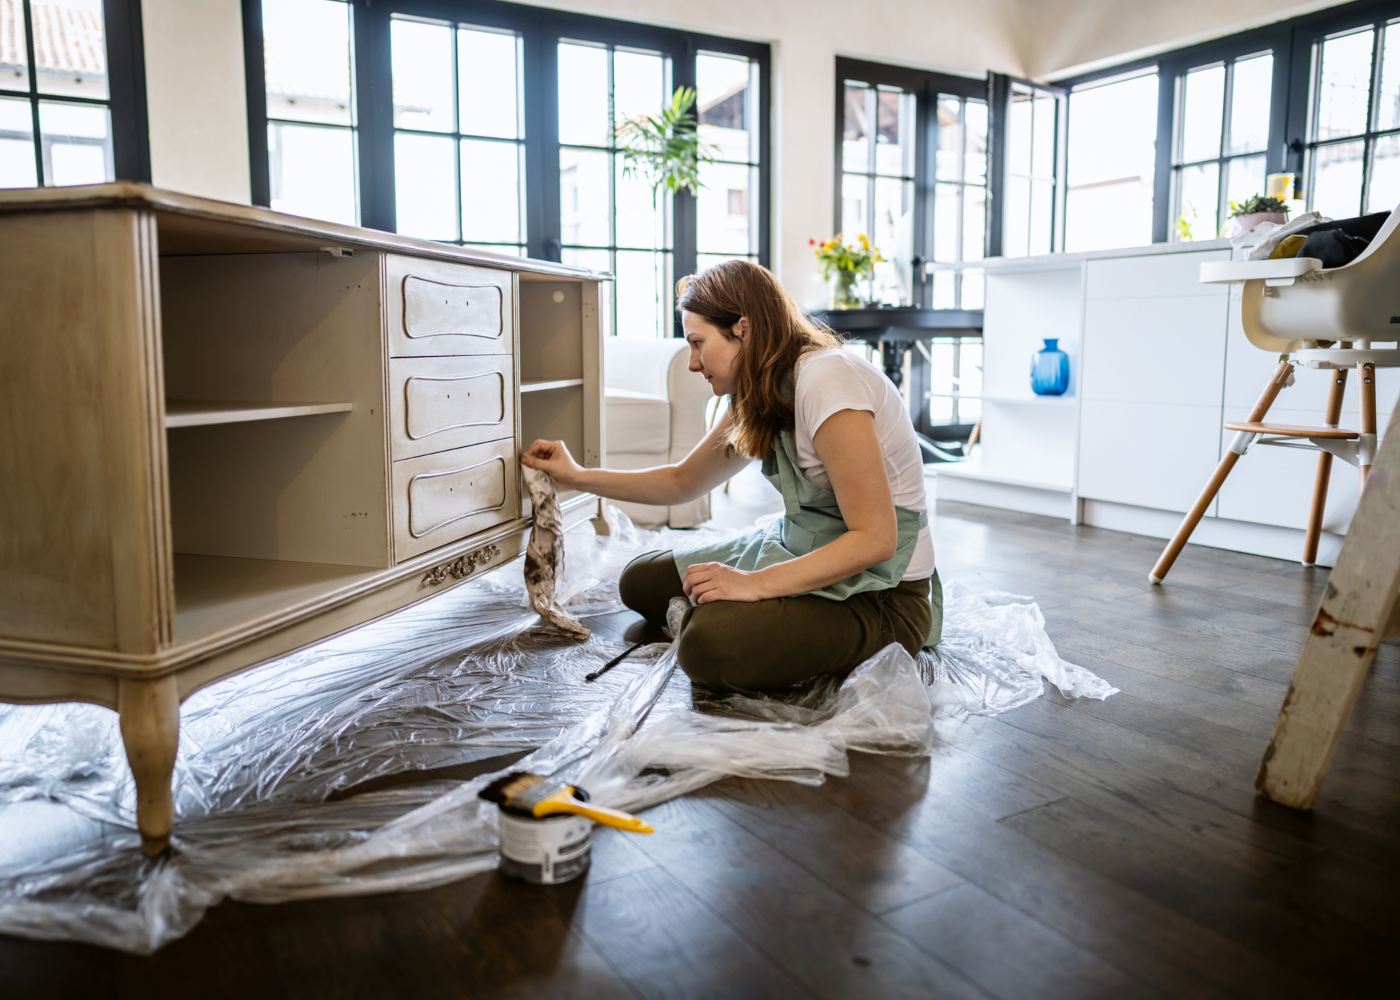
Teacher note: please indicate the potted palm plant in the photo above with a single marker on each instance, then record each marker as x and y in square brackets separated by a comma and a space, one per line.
[664, 149]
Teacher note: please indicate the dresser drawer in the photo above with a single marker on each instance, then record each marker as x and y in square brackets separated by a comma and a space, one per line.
[441, 403]
[436, 308]
[448, 495]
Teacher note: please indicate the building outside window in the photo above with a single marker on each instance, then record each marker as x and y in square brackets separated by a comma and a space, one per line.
[727, 224]
[54, 88]
[1354, 129]
[459, 152]
[311, 117]
[1221, 135]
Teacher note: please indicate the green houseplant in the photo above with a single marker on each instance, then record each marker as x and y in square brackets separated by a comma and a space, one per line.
[1256, 204]
[664, 149]
[1256, 209]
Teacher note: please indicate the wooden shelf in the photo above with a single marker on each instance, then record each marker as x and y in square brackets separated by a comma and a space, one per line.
[216, 593]
[200, 413]
[541, 384]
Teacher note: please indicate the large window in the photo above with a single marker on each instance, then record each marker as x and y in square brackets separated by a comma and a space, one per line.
[1109, 178]
[912, 158]
[727, 220]
[1034, 147]
[1222, 132]
[459, 153]
[1315, 98]
[955, 381]
[72, 101]
[1354, 131]
[877, 170]
[310, 132]
[609, 220]
[959, 202]
[495, 125]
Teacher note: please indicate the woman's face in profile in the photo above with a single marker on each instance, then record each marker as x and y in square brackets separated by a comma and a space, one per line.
[713, 354]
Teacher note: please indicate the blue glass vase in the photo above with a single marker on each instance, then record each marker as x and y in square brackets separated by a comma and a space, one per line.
[1050, 370]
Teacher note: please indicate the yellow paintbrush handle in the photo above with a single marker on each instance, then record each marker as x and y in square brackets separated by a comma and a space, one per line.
[615, 818]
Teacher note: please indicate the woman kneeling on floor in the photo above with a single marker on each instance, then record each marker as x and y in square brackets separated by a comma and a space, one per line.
[848, 568]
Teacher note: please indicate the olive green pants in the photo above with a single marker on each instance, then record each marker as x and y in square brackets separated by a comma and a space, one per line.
[762, 645]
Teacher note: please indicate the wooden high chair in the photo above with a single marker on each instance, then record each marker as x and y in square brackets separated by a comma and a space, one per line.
[1317, 318]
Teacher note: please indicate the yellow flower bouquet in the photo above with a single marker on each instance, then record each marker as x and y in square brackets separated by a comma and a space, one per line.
[842, 263]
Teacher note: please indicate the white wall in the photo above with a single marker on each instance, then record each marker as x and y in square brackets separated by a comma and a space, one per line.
[1064, 37]
[195, 97]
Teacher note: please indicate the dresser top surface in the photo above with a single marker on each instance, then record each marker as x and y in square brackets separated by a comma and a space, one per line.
[191, 225]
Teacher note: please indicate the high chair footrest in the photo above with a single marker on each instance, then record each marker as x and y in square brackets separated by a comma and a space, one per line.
[1288, 430]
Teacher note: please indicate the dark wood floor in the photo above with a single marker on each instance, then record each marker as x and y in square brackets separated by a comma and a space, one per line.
[1062, 850]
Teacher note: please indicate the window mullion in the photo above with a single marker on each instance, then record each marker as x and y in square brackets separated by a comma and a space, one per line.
[1222, 160]
[1368, 143]
[34, 94]
[457, 193]
[872, 126]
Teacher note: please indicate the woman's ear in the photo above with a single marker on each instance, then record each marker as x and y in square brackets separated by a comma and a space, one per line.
[741, 328]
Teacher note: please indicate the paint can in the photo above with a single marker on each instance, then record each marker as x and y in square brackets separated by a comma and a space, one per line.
[545, 849]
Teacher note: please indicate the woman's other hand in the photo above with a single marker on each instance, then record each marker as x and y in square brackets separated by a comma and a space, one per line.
[706, 582]
[552, 457]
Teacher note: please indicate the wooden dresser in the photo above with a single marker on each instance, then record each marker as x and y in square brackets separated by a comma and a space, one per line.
[226, 433]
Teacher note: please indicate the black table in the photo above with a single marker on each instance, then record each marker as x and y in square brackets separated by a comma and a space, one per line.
[894, 331]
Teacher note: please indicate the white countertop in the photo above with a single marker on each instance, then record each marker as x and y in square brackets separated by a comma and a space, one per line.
[1058, 261]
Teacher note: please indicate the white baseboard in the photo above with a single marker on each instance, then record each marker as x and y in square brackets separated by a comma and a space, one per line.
[1216, 532]
[1007, 496]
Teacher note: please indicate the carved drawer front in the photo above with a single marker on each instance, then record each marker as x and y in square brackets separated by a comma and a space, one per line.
[448, 495]
[435, 308]
[441, 403]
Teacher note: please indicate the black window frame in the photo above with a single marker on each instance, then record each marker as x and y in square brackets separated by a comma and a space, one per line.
[1001, 86]
[1291, 41]
[126, 91]
[1301, 144]
[925, 85]
[541, 30]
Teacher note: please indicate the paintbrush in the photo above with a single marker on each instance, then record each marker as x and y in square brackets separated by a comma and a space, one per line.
[540, 796]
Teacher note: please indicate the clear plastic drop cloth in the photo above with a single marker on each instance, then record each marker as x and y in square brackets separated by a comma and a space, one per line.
[275, 790]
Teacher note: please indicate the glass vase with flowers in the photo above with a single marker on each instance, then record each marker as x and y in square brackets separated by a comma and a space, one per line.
[843, 265]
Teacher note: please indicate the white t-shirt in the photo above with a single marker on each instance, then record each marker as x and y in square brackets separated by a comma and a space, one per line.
[833, 379]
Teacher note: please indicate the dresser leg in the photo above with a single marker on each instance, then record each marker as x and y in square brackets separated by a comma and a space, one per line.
[150, 723]
[601, 524]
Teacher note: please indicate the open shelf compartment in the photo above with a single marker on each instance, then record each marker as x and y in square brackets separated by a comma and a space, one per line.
[203, 413]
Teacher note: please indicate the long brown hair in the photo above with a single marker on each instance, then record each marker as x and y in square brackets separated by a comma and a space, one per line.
[779, 333]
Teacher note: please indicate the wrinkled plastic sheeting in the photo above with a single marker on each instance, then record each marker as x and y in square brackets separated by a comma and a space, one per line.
[266, 756]
[995, 656]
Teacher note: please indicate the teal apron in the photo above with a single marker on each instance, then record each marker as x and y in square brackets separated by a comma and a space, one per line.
[812, 518]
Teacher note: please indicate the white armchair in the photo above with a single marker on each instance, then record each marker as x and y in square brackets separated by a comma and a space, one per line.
[655, 415]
